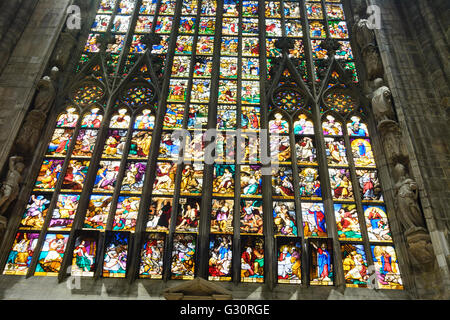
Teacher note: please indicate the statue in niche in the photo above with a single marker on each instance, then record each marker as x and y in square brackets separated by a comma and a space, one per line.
[63, 51]
[393, 144]
[30, 132]
[372, 62]
[363, 33]
[382, 102]
[11, 186]
[46, 92]
[407, 199]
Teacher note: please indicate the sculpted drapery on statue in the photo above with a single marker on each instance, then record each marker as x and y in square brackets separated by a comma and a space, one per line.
[382, 102]
[11, 186]
[35, 120]
[407, 200]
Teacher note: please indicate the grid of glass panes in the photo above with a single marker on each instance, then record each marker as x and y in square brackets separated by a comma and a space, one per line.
[114, 203]
[359, 209]
[283, 19]
[187, 107]
[326, 20]
[49, 215]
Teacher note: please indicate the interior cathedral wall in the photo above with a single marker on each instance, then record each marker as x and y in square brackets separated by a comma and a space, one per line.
[413, 44]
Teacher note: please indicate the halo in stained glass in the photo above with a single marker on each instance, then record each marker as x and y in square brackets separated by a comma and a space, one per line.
[340, 100]
[138, 95]
[87, 93]
[288, 99]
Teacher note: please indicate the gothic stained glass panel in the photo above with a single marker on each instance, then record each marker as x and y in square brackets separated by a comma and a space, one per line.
[159, 214]
[35, 213]
[377, 223]
[75, 176]
[188, 215]
[346, 216]
[321, 256]
[126, 213]
[64, 213]
[183, 256]
[309, 183]
[362, 152]
[97, 212]
[252, 259]
[22, 251]
[84, 255]
[222, 216]
[152, 253]
[369, 184]
[289, 260]
[48, 175]
[251, 217]
[220, 257]
[51, 255]
[314, 222]
[60, 142]
[386, 267]
[115, 254]
[355, 265]
[284, 217]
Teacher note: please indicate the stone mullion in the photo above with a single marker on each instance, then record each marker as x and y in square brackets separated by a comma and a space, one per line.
[123, 166]
[146, 194]
[357, 196]
[127, 40]
[55, 193]
[308, 48]
[140, 230]
[206, 204]
[180, 166]
[269, 243]
[237, 179]
[325, 19]
[297, 198]
[282, 19]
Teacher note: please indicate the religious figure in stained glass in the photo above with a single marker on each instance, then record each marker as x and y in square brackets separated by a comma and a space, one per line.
[191, 52]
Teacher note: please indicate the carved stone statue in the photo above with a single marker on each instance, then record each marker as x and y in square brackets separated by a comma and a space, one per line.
[407, 200]
[34, 122]
[372, 61]
[30, 132]
[63, 50]
[11, 186]
[46, 92]
[363, 33]
[382, 102]
[394, 147]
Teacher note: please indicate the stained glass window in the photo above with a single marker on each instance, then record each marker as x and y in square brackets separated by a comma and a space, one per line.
[132, 183]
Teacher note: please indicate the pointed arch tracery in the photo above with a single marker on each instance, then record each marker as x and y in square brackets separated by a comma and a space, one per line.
[110, 182]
